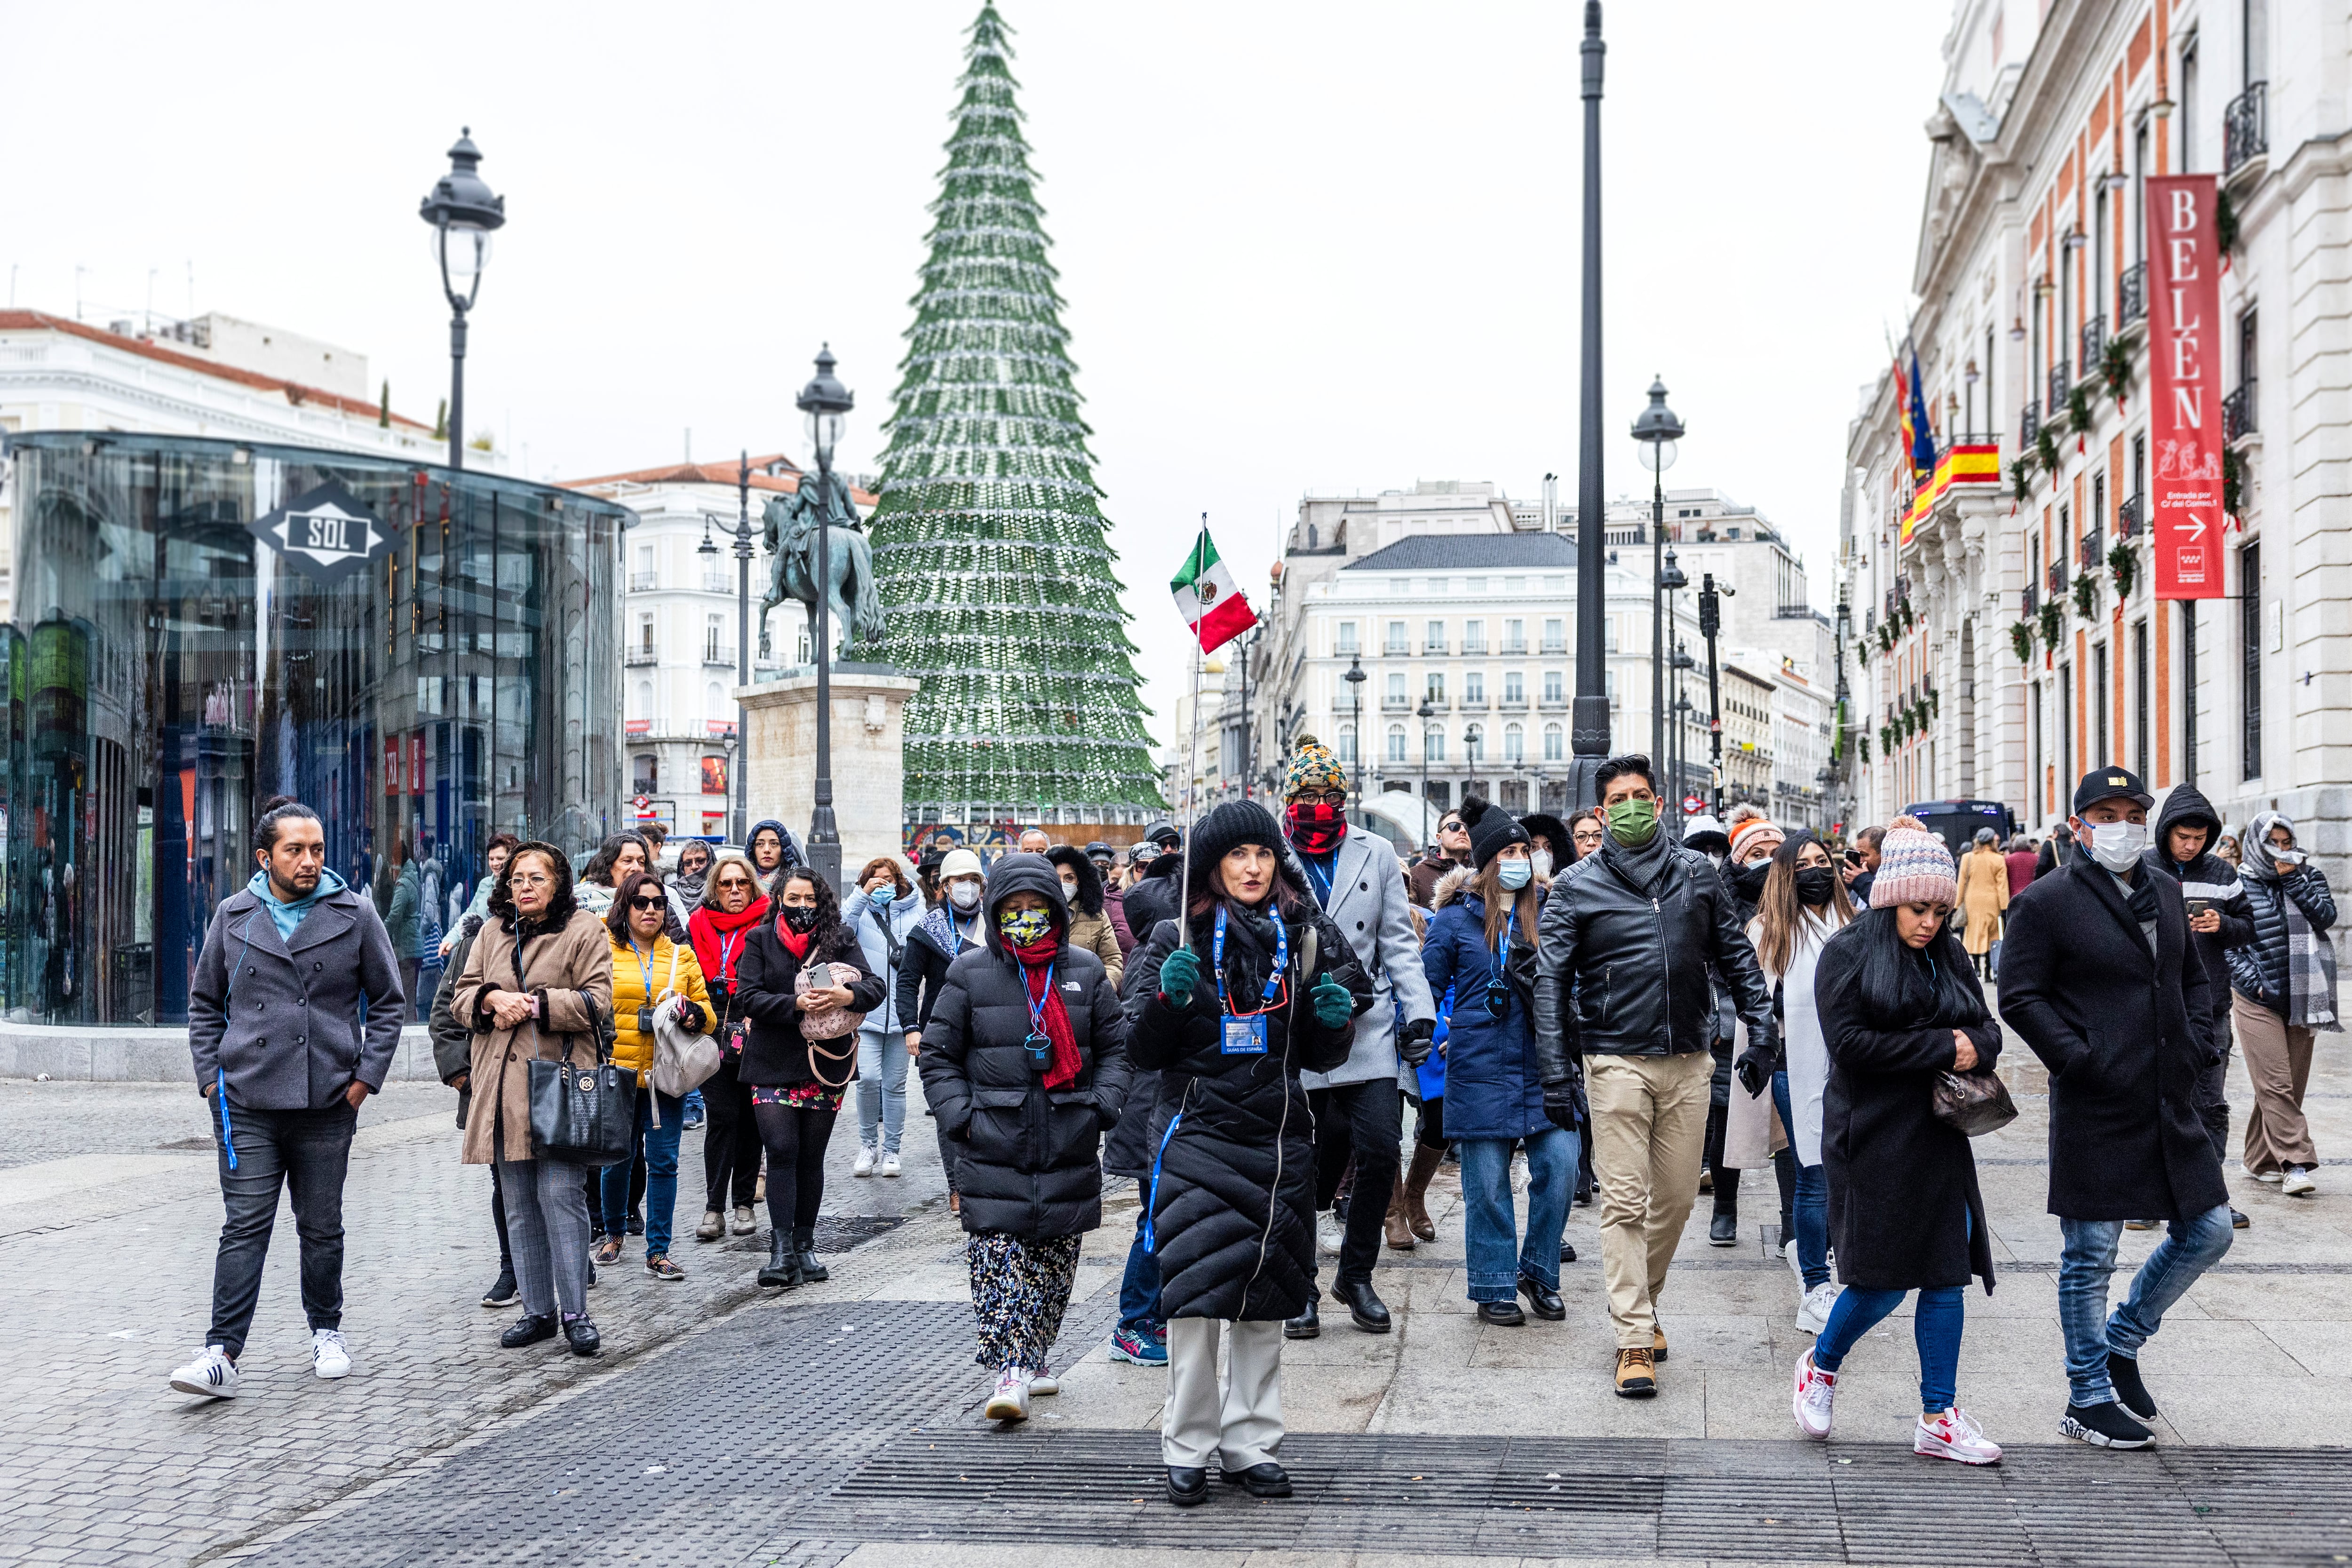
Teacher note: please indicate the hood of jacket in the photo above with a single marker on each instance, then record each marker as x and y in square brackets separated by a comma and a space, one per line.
[2186, 805]
[1019, 873]
[792, 846]
[1089, 899]
[1452, 887]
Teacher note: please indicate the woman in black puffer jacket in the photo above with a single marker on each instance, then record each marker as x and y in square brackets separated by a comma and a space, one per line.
[1231, 1189]
[1024, 1064]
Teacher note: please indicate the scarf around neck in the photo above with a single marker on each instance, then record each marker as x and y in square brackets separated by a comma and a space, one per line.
[718, 939]
[286, 914]
[1639, 864]
[1036, 960]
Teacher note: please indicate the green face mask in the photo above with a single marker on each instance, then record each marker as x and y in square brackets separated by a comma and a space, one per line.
[1634, 822]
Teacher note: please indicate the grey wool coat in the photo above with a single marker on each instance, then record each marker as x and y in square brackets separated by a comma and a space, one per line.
[285, 1030]
[1372, 907]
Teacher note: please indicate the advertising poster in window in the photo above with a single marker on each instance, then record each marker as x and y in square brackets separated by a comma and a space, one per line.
[2184, 374]
[714, 775]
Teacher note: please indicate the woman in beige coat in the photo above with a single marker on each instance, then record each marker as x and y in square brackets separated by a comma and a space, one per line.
[538, 985]
[1984, 897]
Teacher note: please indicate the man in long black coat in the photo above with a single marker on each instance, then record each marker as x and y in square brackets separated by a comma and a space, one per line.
[2097, 976]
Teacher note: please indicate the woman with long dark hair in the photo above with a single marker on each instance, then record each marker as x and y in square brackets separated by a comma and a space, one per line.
[798, 1080]
[1900, 1004]
[732, 908]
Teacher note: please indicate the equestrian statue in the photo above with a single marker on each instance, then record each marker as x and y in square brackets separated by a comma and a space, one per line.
[789, 529]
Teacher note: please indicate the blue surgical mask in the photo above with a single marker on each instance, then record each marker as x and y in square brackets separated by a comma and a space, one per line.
[1514, 874]
[883, 897]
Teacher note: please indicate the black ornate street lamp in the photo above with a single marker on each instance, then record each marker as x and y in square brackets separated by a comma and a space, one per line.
[463, 214]
[1657, 430]
[738, 784]
[1355, 677]
[825, 401]
[1588, 724]
[1426, 711]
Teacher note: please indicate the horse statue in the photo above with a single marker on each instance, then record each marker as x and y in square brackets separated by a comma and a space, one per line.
[789, 529]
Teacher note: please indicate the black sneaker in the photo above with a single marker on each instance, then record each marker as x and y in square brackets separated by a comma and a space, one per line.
[1723, 1229]
[2130, 1392]
[2108, 1426]
[505, 1293]
[2238, 1220]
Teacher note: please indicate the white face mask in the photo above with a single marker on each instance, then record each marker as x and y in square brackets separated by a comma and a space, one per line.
[964, 895]
[2117, 845]
[1542, 858]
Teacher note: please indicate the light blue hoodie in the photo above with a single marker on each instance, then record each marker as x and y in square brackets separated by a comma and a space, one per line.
[286, 916]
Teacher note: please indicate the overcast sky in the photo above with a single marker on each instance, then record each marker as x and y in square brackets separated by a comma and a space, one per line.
[1306, 247]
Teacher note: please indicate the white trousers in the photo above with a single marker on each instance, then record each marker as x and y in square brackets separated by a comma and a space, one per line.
[1236, 1418]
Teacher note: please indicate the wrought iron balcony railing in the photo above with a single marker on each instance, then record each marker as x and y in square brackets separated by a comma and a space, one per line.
[2238, 411]
[2095, 340]
[2131, 294]
[2029, 425]
[2132, 516]
[2060, 380]
[2245, 128]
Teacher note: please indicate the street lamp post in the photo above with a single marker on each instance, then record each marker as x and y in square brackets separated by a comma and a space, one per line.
[739, 786]
[1588, 726]
[825, 400]
[1710, 621]
[1355, 677]
[1425, 712]
[1840, 768]
[1657, 430]
[463, 214]
[1671, 581]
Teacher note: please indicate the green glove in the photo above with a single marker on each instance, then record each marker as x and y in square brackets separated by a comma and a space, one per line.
[1332, 1001]
[1179, 973]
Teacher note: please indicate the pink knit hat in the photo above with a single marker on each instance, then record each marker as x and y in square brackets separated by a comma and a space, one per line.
[1914, 868]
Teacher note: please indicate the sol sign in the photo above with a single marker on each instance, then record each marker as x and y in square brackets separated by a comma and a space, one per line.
[325, 532]
[2184, 373]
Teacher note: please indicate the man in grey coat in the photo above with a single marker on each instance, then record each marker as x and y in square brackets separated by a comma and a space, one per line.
[1359, 1109]
[293, 1017]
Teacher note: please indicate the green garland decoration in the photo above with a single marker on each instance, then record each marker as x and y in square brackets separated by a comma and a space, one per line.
[2115, 370]
[2020, 641]
[989, 544]
[2078, 407]
[2053, 623]
[2045, 447]
[2225, 224]
[2233, 481]
[2125, 565]
[2020, 476]
[1862, 745]
[2086, 596]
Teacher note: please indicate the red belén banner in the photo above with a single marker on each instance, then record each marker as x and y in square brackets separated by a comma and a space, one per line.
[2184, 374]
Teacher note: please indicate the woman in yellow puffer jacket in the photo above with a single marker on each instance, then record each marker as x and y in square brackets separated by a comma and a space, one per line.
[649, 971]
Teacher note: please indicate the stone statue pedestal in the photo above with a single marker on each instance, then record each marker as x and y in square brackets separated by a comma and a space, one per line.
[779, 755]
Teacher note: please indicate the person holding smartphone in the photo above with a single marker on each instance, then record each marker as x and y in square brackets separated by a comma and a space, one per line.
[2283, 993]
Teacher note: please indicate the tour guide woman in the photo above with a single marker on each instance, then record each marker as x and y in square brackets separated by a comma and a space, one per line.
[1024, 1064]
[1899, 1002]
[797, 1082]
[1231, 1189]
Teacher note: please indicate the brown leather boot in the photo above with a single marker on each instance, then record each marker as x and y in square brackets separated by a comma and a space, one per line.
[1394, 1227]
[1426, 1161]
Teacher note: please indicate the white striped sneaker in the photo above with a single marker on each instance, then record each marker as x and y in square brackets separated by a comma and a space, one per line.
[211, 1376]
[1816, 1394]
[330, 1357]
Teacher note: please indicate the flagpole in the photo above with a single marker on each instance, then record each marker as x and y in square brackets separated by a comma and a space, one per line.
[1191, 783]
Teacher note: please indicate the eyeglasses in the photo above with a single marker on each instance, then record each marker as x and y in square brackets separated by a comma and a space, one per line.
[727, 882]
[1588, 836]
[529, 879]
[1324, 797]
[647, 903]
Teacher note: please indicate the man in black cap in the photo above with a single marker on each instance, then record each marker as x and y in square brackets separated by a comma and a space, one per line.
[1113, 897]
[1153, 896]
[2097, 976]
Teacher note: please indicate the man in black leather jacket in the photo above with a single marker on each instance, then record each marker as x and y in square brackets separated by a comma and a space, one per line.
[1627, 938]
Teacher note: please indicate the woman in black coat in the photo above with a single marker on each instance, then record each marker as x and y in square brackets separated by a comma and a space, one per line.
[1899, 1003]
[1231, 1189]
[1024, 1064]
[796, 1082]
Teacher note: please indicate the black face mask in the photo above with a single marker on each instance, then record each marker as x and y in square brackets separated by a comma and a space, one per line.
[801, 917]
[1815, 884]
[1749, 880]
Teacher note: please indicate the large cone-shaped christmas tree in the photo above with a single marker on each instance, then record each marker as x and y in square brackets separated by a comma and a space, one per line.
[989, 551]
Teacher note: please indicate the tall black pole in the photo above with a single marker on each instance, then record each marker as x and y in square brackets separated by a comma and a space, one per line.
[741, 782]
[456, 382]
[1710, 620]
[1354, 680]
[1589, 735]
[824, 840]
[1657, 608]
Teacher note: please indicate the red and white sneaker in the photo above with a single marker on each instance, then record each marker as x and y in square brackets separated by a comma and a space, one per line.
[1816, 1391]
[1010, 1399]
[1042, 1381]
[1955, 1435]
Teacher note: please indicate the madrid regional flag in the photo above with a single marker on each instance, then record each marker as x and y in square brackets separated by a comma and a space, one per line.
[1207, 599]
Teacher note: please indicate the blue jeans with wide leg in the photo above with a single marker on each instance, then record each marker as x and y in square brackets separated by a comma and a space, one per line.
[1490, 1231]
[660, 1144]
[2086, 1259]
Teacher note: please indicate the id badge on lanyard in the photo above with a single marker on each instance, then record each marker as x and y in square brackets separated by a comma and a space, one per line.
[1244, 1036]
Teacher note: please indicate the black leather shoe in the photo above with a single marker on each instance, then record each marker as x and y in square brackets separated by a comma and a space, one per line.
[528, 1329]
[804, 1250]
[581, 1335]
[1723, 1229]
[1502, 1314]
[1188, 1485]
[1308, 1325]
[1268, 1479]
[1365, 1308]
[783, 1269]
[1543, 1298]
[1567, 1252]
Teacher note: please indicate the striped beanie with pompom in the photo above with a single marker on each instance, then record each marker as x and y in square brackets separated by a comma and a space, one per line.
[1914, 868]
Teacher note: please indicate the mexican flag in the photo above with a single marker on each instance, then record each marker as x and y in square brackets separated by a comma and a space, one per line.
[1207, 599]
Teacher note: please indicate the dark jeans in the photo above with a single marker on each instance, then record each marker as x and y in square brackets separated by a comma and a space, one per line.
[731, 1139]
[303, 1154]
[498, 1218]
[1812, 1199]
[795, 1136]
[1139, 1292]
[1936, 1326]
[1362, 1119]
[657, 1148]
[1429, 1131]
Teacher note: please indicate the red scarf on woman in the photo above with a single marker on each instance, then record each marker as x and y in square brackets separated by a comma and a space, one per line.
[709, 929]
[796, 942]
[1036, 969]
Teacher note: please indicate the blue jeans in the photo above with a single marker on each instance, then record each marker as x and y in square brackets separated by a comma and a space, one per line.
[1812, 1198]
[303, 1154]
[1935, 1329]
[1139, 1292]
[882, 1061]
[1490, 1231]
[661, 1146]
[2088, 1257]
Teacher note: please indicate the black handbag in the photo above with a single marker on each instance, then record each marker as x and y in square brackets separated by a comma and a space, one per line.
[581, 1116]
[1971, 1103]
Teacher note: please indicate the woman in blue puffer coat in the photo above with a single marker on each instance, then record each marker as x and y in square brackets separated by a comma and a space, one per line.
[1482, 944]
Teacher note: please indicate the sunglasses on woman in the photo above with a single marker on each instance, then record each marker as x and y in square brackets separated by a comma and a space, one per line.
[648, 903]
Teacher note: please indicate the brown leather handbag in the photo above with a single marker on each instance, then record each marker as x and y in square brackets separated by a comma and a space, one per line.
[1972, 1103]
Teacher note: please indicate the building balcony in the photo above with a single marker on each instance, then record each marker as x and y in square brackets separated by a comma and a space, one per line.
[1396, 704]
[641, 656]
[712, 659]
[1434, 645]
[1513, 647]
[2131, 517]
[2131, 296]
[1472, 705]
[2245, 130]
[1512, 705]
[1436, 703]
[2029, 425]
[1399, 650]
[1554, 646]
[1474, 650]
[2095, 340]
[715, 581]
[643, 581]
[2238, 411]
[2060, 379]
[1551, 704]
[2086, 553]
[2032, 601]
[2057, 575]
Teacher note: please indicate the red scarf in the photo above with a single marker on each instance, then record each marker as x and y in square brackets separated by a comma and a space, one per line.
[1316, 828]
[796, 942]
[1036, 970]
[709, 929]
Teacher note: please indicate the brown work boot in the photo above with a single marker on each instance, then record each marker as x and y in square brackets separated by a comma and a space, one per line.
[1637, 1376]
[1394, 1228]
[1426, 1162]
[1657, 1340]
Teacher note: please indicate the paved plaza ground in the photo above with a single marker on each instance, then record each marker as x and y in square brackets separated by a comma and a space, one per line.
[839, 1423]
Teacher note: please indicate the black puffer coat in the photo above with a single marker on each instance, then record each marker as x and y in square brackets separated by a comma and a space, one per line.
[2212, 879]
[766, 976]
[2258, 970]
[1233, 1196]
[1026, 1162]
[1153, 896]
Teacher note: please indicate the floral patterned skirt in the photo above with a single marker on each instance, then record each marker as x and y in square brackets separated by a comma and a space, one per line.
[801, 1096]
[1019, 1291]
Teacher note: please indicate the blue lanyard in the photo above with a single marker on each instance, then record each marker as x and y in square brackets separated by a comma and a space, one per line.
[1510, 924]
[1320, 877]
[1273, 976]
[726, 957]
[645, 967]
[1037, 1007]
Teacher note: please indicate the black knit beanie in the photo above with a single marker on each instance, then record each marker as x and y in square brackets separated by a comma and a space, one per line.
[1235, 822]
[1490, 830]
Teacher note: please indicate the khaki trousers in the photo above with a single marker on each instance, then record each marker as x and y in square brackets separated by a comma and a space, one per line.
[2278, 1062]
[1236, 1419]
[1649, 1129]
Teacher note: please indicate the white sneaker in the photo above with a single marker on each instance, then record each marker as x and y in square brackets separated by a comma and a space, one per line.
[889, 1162]
[2296, 1181]
[1010, 1402]
[1813, 1311]
[1329, 1234]
[330, 1357]
[1816, 1392]
[865, 1166]
[2271, 1176]
[211, 1375]
[1789, 1256]
[1042, 1381]
[1955, 1435]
